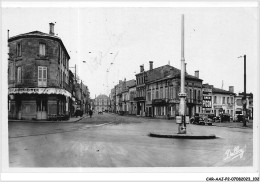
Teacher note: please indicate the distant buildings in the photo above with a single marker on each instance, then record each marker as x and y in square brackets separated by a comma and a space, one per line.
[102, 103]
[40, 84]
[239, 104]
[155, 94]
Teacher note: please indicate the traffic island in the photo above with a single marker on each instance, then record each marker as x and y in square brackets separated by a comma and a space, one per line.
[183, 136]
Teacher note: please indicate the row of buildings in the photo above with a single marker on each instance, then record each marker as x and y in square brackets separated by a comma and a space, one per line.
[40, 83]
[154, 93]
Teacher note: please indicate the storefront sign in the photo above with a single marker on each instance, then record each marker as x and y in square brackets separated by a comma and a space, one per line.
[39, 91]
[158, 101]
[174, 101]
[206, 97]
[178, 119]
[206, 90]
[218, 106]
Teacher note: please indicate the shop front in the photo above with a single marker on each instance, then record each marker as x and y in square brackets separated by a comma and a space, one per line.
[38, 103]
[173, 108]
[159, 108]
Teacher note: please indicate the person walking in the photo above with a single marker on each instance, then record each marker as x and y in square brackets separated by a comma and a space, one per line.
[90, 113]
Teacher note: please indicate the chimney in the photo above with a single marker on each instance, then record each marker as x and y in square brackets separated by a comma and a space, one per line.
[151, 65]
[141, 68]
[231, 89]
[51, 29]
[197, 73]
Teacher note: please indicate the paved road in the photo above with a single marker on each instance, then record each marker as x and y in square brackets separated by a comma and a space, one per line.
[120, 141]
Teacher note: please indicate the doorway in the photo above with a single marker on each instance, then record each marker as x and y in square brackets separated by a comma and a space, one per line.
[41, 105]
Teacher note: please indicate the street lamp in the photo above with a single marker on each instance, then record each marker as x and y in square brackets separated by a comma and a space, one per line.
[244, 97]
[181, 119]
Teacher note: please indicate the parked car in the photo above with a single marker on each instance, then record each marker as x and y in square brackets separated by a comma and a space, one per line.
[239, 118]
[225, 117]
[216, 119]
[197, 119]
[207, 118]
[78, 112]
[202, 119]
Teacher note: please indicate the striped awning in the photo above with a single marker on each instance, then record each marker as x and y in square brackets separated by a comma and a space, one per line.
[48, 91]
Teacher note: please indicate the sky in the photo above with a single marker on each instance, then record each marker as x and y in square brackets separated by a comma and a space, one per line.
[109, 44]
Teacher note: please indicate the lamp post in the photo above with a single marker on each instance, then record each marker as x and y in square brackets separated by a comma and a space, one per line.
[182, 94]
[244, 97]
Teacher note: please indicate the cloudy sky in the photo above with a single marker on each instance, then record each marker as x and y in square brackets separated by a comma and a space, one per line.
[114, 42]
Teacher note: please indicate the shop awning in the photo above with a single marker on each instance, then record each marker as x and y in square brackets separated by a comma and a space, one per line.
[48, 91]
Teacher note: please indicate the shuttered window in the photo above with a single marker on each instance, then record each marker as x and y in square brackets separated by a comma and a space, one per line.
[42, 49]
[19, 75]
[42, 76]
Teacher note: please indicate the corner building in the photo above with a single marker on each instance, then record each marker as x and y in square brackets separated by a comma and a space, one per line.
[38, 76]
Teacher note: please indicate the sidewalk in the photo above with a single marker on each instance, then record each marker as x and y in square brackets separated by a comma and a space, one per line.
[234, 124]
[71, 120]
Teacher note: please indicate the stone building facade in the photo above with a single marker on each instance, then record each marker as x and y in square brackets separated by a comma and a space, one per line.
[223, 101]
[162, 89]
[239, 105]
[38, 76]
[102, 103]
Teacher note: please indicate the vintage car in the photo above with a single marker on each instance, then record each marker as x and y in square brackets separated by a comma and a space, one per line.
[197, 119]
[202, 119]
[78, 112]
[225, 117]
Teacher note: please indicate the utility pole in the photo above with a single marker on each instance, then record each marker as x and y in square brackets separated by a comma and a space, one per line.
[75, 74]
[81, 102]
[244, 96]
[115, 98]
[182, 94]
[244, 99]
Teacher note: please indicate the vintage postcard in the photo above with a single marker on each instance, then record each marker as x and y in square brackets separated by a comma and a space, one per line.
[131, 87]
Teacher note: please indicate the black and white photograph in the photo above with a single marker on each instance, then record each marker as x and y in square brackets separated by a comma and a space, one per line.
[131, 87]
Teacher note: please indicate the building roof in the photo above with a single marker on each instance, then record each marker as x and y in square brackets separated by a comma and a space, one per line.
[38, 34]
[166, 72]
[102, 96]
[221, 91]
[130, 83]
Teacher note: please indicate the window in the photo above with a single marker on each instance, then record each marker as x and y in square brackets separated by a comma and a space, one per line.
[152, 93]
[42, 76]
[195, 95]
[215, 99]
[42, 49]
[161, 93]
[224, 100]
[231, 100]
[9, 104]
[227, 100]
[157, 94]
[19, 49]
[149, 96]
[19, 74]
[174, 93]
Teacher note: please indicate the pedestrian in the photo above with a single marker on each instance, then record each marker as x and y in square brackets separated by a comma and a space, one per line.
[90, 113]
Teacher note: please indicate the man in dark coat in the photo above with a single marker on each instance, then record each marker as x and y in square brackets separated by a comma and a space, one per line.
[90, 113]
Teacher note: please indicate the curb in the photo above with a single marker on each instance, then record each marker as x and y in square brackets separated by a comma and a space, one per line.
[183, 136]
[46, 121]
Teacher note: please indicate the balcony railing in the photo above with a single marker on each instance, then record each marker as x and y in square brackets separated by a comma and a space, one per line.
[35, 83]
[194, 101]
[139, 99]
[158, 101]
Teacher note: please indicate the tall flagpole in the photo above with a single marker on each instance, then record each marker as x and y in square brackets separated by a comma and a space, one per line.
[182, 94]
